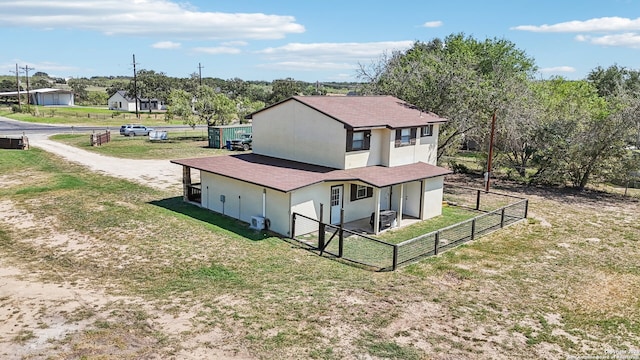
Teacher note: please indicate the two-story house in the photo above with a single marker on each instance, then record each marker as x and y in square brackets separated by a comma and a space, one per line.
[361, 155]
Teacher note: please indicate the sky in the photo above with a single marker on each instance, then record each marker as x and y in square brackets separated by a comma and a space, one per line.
[305, 40]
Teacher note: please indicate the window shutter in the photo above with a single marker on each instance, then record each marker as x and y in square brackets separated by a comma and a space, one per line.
[349, 140]
[367, 140]
[398, 137]
[414, 133]
[354, 192]
[369, 191]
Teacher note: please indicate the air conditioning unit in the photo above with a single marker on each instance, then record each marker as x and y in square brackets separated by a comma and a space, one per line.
[257, 223]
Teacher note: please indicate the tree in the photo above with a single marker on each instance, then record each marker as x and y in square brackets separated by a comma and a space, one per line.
[284, 89]
[180, 103]
[206, 107]
[459, 78]
[246, 106]
[79, 87]
[582, 134]
[115, 86]
[150, 85]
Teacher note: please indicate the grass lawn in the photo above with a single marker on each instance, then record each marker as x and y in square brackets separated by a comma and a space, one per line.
[180, 144]
[450, 215]
[87, 116]
[152, 277]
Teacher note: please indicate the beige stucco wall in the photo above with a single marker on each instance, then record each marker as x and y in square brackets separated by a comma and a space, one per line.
[432, 205]
[425, 150]
[372, 157]
[296, 132]
[243, 200]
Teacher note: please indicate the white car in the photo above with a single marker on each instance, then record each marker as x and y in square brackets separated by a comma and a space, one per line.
[134, 130]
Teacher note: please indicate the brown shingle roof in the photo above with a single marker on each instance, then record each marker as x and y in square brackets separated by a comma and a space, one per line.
[286, 175]
[368, 111]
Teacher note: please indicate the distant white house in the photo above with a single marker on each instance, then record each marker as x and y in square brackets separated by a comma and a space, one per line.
[123, 102]
[46, 97]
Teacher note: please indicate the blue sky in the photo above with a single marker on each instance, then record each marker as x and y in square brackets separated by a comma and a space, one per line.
[302, 39]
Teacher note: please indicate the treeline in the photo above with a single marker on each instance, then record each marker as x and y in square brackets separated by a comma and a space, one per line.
[553, 131]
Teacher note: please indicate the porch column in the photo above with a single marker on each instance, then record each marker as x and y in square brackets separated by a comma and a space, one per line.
[376, 216]
[186, 182]
[400, 205]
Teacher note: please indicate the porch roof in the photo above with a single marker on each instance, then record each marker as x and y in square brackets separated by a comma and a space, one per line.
[285, 175]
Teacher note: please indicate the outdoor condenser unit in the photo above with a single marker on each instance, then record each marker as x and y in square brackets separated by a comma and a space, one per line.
[257, 222]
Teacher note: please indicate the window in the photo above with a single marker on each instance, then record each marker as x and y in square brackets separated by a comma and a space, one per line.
[335, 196]
[360, 192]
[406, 136]
[358, 140]
[427, 130]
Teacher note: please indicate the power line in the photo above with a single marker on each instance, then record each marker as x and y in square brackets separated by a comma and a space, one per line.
[135, 86]
[200, 67]
[17, 72]
[26, 70]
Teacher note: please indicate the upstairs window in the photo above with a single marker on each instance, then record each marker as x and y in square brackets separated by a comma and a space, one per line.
[426, 130]
[406, 136]
[358, 140]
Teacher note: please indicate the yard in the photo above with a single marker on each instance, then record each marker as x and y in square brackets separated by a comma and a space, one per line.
[180, 144]
[87, 116]
[98, 267]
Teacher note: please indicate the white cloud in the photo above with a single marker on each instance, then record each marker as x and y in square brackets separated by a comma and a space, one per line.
[308, 66]
[44, 66]
[558, 69]
[144, 18]
[604, 24]
[166, 45]
[326, 56]
[235, 43]
[335, 52]
[217, 50]
[631, 40]
[433, 24]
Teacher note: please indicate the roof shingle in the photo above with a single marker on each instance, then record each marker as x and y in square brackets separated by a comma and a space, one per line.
[285, 175]
[368, 111]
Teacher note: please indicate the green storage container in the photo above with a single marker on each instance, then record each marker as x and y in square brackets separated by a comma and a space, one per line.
[219, 135]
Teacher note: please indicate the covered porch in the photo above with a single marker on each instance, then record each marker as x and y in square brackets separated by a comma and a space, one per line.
[364, 226]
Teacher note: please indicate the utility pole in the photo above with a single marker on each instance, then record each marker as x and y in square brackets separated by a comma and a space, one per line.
[135, 86]
[493, 130]
[26, 70]
[17, 72]
[200, 73]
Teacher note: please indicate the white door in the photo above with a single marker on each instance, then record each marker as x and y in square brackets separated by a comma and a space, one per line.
[336, 204]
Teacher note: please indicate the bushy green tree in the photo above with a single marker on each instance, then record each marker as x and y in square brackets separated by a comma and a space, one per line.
[460, 78]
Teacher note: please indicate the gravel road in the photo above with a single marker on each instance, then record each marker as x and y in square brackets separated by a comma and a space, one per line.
[160, 174]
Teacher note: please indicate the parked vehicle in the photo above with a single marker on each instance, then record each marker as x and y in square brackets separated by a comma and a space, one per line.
[242, 143]
[135, 130]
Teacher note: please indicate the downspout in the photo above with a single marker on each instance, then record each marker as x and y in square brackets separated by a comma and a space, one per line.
[264, 202]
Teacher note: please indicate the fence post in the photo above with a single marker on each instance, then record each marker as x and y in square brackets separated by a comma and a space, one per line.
[473, 228]
[321, 231]
[437, 243]
[502, 219]
[526, 208]
[478, 200]
[341, 234]
[395, 257]
[293, 225]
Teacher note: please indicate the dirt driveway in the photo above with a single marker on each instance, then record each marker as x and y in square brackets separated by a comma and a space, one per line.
[160, 174]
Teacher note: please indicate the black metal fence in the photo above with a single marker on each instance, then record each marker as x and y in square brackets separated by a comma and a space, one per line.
[496, 211]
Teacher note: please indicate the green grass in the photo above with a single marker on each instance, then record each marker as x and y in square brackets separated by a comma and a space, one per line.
[450, 215]
[160, 278]
[87, 116]
[180, 144]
